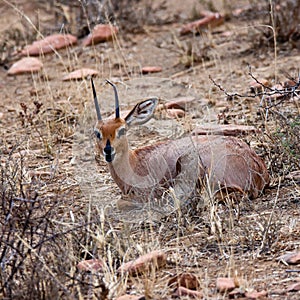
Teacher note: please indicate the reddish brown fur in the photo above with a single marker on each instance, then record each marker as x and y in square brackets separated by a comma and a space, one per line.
[227, 161]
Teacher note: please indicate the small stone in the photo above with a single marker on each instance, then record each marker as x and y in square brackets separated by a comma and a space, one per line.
[101, 33]
[229, 130]
[289, 84]
[295, 287]
[182, 291]
[236, 293]
[256, 295]
[144, 263]
[162, 112]
[258, 86]
[49, 44]
[227, 33]
[186, 280]
[90, 265]
[180, 102]
[226, 284]
[25, 65]
[151, 69]
[211, 20]
[80, 74]
[237, 12]
[175, 113]
[278, 95]
[290, 258]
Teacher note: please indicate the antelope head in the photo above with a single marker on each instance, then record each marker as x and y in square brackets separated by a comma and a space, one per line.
[111, 133]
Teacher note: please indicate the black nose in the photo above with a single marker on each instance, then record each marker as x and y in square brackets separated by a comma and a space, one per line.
[108, 148]
[109, 152]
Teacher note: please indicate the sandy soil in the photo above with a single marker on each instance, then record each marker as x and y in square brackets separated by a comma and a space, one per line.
[56, 143]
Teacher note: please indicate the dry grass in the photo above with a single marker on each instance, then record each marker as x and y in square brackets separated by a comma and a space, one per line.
[58, 207]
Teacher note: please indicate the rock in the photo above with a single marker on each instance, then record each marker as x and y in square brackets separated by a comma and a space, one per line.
[289, 84]
[258, 86]
[49, 44]
[256, 295]
[237, 293]
[278, 95]
[80, 74]
[100, 33]
[144, 263]
[186, 280]
[290, 258]
[180, 102]
[226, 33]
[162, 112]
[229, 130]
[211, 20]
[25, 65]
[239, 11]
[90, 265]
[182, 291]
[226, 284]
[131, 297]
[295, 287]
[175, 113]
[151, 69]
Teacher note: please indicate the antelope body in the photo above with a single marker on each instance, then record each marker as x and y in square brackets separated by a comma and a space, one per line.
[221, 161]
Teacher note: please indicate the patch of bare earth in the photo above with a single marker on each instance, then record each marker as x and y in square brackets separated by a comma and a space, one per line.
[59, 207]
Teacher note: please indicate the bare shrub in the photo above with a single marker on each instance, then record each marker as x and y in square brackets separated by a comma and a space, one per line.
[286, 15]
[79, 17]
[34, 263]
[279, 108]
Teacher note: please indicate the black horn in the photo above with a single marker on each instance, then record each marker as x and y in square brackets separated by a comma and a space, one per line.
[116, 99]
[96, 102]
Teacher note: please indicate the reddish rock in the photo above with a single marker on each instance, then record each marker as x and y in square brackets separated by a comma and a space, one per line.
[175, 113]
[151, 69]
[49, 44]
[295, 287]
[130, 297]
[291, 258]
[212, 20]
[280, 95]
[226, 284]
[236, 293]
[90, 265]
[180, 102]
[289, 84]
[25, 65]
[186, 280]
[100, 33]
[80, 74]
[227, 33]
[256, 295]
[163, 113]
[237, 12]
[256, 87]
[230, 130]
[182, 291]
[144, 263]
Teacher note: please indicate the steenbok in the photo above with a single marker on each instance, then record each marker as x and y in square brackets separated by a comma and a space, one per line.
[146, 173]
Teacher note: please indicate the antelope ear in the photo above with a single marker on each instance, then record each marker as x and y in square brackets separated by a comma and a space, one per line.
[142, 112]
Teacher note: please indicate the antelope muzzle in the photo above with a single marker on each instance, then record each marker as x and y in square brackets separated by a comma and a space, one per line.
[109, 152]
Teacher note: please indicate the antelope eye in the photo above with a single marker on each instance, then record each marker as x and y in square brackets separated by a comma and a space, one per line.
[98, 134]
[121, 131]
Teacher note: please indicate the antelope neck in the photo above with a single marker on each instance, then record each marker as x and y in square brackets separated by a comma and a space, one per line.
[123, 170]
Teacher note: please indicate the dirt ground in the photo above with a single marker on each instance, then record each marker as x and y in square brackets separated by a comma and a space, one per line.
[47, 154]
